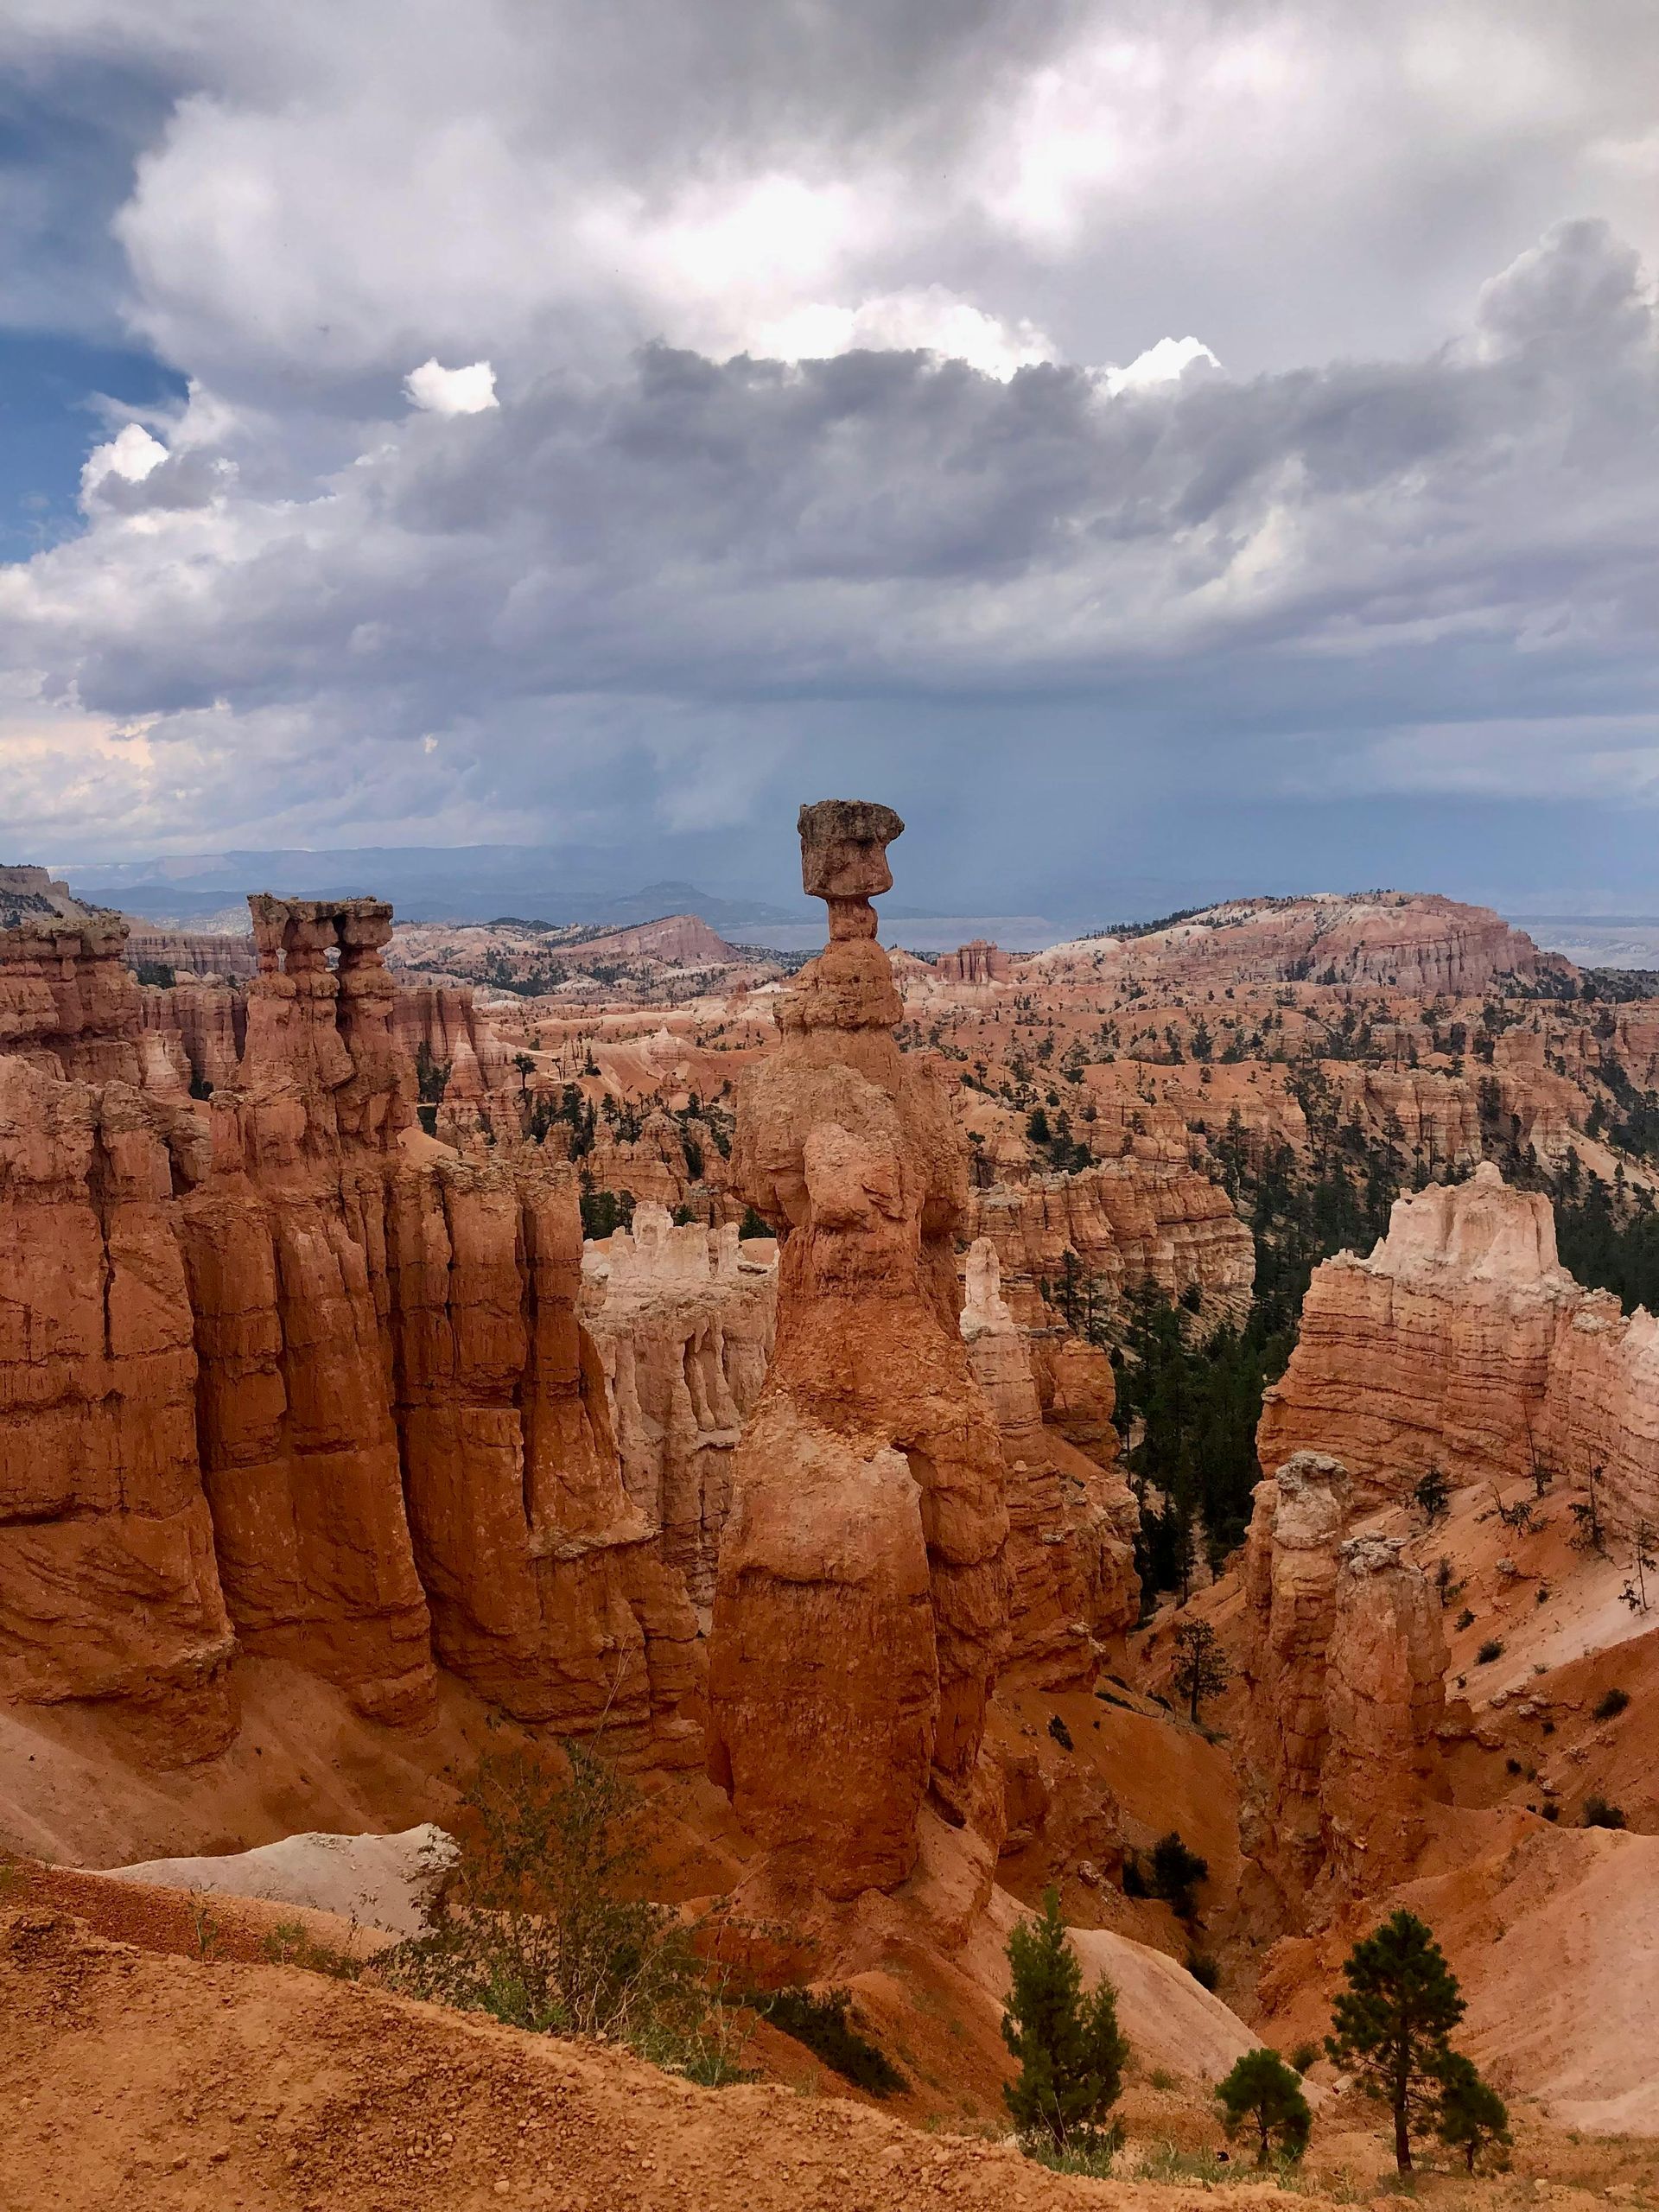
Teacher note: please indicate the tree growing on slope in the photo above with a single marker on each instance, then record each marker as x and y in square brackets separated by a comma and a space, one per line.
[1472, 2116]
[1261, 2092]
[1389, 2026]
[1071, 2054]
[1201, 1669]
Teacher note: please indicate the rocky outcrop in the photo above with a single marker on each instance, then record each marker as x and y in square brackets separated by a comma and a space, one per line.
[274, 1365]
[1290, 1593]
[1413, 942]
[1345, 1665]
[1126, 1222]
[547, 1590]
[30, 895]
[1073, 1583]
[464, 1072]
[198, 1030]
[861, 1600]
[1384, 1699]
[68, 1002]
[1462, 1344]
[979, 962]
[683, 1320]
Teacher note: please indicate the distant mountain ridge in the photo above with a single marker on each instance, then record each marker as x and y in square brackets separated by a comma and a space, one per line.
[470, 883]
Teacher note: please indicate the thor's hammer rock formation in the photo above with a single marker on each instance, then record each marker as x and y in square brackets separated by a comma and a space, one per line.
[861, 1608]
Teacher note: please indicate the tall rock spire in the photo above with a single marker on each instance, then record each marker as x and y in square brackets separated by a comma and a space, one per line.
[861, 1606]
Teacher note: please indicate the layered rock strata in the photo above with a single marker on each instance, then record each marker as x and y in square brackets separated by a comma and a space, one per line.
[274, 1367]
[1126, 1222]
[1344, 1663]
[1462, 1344]
[684, 1318]
[1073, 1583]
[860, 1605]
[109, 1589]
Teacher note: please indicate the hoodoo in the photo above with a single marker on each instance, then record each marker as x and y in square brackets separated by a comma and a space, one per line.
[861, 1608]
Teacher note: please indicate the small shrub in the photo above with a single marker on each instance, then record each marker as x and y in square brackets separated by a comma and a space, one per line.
[1551, 1811]
[1466, 1620]
[1262, 2096]
[1431, 1496]
[821, 2024]
[1610, 1704]
[1135, 1876]
[1492, 1648]
[1203, 1969]
[1512, 1766]
[537, 1927]
[289, 1945]
[1176, 1872]
[1305, 2056]
[1161, 2078]
[1060, 1732]
[1599, 1814]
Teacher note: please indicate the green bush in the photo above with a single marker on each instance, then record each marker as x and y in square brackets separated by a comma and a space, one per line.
[1204, 1970]
[821, 2023]
[1262, 2096]
[1176, 1871]
[1599, 1814]
[1610, 1704]
[534, 1925]
[1492, 1648]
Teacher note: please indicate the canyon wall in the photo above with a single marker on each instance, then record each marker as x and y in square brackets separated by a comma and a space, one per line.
[684, 1319]
[277, 1373]
[1460, 1343]
[1127, 1221]
[1071, 1554]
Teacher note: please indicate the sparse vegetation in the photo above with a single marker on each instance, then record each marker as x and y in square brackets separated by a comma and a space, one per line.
[1060, 1732]
[539, 1925]
[1201, 1669]
[1610, 1704]
[1471, 2117]
[1262, 2096]
[1069, 2050]
[821, 2022]
[1599, 1814]
[1491, 1649]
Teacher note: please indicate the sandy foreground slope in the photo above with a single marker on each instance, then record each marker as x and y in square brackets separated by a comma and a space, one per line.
[129, 2078]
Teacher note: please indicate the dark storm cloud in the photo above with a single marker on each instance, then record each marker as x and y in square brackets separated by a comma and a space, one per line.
[766, 480]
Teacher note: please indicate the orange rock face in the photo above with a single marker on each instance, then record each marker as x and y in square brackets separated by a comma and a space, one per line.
[861, 1600]
[109, 1589]
[684, 1319]
[1073, 1583]
[1126, 1221]
[1385, 1697]
[268, 1375]
[1290, 1590]
[1346, 1664]
[1461, 1343]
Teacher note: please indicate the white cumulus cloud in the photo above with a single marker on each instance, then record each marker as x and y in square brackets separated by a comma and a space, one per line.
[470, 390]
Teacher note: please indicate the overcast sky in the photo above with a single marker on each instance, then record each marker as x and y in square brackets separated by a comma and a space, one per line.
[1201, 440]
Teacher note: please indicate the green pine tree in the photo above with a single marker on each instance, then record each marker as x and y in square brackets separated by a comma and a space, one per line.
[1262, 2093]
[1390, 2025]
[1471, 2114]
[1071, 2053]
